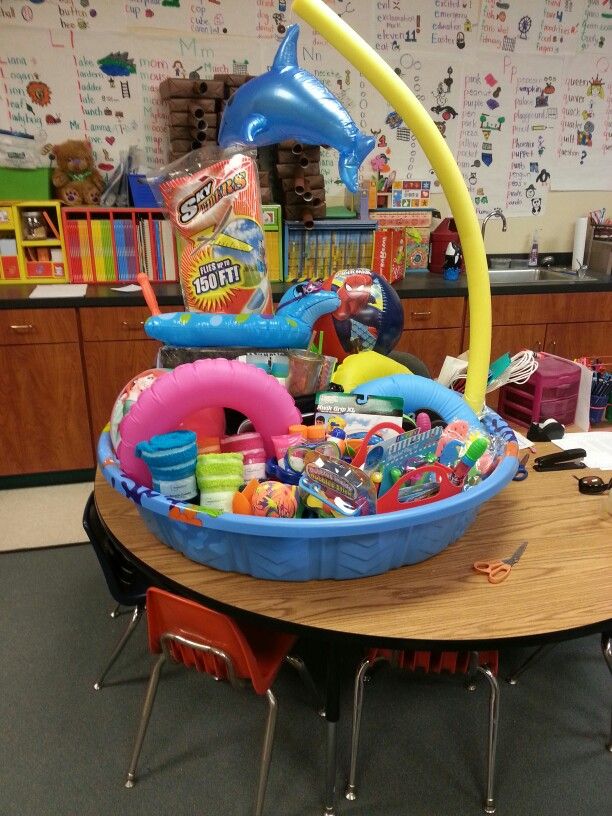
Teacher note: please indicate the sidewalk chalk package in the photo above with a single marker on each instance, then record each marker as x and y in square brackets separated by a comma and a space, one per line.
[213, 202]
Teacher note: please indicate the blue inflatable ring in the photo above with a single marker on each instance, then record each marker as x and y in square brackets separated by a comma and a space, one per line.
[419, 392]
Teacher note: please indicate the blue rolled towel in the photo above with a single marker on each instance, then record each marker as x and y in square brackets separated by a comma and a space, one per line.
[171, 458]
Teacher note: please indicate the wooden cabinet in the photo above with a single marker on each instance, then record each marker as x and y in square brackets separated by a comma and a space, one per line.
[579, 339]
[432, 329]
[115, 349]
[570, 325]
[34, 326]
[431, 346]
[62, 368]
[45, 424]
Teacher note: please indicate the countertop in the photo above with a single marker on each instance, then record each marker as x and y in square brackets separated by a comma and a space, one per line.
[416, 284]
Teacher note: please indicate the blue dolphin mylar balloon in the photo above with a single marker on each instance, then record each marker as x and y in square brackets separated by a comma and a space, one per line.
[288, 102]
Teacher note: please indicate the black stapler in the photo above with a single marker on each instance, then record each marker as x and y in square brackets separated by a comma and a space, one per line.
[563, 460]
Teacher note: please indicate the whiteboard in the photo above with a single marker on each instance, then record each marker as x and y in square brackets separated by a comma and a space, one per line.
[91, 68]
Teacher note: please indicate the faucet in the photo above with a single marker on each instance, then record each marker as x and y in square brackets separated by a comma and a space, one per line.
[496, 213]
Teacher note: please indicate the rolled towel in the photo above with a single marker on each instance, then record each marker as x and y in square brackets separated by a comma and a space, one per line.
[219, 475]
[171, 458]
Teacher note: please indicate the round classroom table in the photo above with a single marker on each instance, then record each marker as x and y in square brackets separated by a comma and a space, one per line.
[561, 587]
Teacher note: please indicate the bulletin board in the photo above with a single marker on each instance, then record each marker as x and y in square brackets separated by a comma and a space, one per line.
[521, 90]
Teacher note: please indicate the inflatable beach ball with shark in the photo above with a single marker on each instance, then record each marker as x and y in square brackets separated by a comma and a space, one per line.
[288, 102]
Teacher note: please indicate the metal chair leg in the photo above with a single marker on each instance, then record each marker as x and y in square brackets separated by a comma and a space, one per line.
[266, 753]
[136, 615]
[144, 719]
[115, 613]
[489, 806]
[472, 678]
[535, 655]
[306, 677]
[606, 648]
[351, 790]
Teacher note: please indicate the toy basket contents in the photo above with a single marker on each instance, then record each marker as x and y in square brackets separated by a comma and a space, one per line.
[361, 542]
[386, 468]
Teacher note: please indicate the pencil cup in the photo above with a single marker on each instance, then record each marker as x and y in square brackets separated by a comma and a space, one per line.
[598, 408]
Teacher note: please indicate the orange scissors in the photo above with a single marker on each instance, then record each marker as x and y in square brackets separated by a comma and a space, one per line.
[498, 571]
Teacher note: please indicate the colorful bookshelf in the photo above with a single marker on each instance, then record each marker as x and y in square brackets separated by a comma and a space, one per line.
[41, 255]
[10, 270]
[112, 245]
[331, 245]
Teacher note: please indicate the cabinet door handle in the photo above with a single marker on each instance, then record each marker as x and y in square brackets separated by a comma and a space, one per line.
[127, 325]
[22, 327]
[420, 315]
[554, 345]
[538, 345]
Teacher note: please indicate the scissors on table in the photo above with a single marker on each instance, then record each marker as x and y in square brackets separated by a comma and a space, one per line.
[521, 473]
[498, 571]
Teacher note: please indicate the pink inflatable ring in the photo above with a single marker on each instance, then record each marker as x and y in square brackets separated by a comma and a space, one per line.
[205, 384]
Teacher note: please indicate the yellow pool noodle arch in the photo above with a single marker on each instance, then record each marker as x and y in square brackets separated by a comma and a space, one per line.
[355, 49]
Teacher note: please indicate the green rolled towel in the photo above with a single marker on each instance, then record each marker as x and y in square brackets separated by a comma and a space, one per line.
[219, 475]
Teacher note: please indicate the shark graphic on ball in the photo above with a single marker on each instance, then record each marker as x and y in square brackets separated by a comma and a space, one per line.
[288, 102]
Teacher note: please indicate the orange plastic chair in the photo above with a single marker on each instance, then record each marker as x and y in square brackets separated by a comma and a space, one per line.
[468, 663]
[186, 632]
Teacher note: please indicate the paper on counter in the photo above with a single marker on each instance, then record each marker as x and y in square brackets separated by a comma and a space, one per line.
[128, 288]
[59, 290]
[523, 442]
[598, 447]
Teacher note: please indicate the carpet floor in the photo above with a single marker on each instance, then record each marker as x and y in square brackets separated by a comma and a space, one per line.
[65, 748]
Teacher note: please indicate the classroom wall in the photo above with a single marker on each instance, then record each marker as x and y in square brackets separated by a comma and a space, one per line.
[522, 94]
[555, 227]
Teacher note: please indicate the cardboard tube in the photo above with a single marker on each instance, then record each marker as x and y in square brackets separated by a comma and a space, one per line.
[307, 220]
[285, 156]
[180, 145]
[233, 80]
[310, 183]
[310, 195]
[291, 144]
[182, 105]
[298, 182]
[176, 132]
[172, 88]
[179, 118]
[296, 212]
[196, 110]
[401, 99]
[305, 168]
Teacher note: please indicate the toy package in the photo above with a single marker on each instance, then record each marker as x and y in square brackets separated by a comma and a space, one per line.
[215, 206]
[355, 414]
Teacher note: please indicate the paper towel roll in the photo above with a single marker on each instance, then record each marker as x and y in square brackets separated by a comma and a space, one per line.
[580, 232]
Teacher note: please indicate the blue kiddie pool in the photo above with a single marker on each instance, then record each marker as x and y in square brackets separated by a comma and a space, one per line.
[314, 549]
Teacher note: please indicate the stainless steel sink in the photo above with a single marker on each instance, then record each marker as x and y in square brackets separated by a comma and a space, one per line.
[535, 274]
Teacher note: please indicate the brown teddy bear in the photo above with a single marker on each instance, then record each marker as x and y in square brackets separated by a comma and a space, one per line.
[76, 180]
